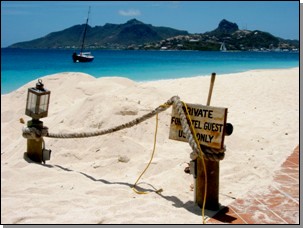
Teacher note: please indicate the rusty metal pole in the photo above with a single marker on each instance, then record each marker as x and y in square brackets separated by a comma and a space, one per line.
[212, 170]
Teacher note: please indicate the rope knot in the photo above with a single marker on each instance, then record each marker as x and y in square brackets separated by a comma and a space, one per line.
[34, 133]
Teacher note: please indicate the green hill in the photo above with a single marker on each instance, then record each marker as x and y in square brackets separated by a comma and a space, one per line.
[133, 32]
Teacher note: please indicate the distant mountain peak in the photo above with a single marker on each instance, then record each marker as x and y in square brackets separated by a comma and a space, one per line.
[133, 22]
[227, 26]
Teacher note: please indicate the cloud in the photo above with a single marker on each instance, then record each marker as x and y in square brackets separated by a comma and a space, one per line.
[130, 12]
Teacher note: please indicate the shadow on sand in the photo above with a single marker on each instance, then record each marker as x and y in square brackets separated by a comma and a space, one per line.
[176, 202]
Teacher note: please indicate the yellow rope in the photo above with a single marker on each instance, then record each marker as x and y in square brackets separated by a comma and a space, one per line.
[203, 162]
[200, 155]
[152, 156]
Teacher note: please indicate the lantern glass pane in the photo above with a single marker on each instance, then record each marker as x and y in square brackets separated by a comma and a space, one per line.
[31, 104]
[43, 103]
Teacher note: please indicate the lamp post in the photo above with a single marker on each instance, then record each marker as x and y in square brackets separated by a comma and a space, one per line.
[37, 107]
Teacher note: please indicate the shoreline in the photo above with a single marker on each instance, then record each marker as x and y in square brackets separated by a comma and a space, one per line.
[155, 80]
[233, 73]
[85, 180]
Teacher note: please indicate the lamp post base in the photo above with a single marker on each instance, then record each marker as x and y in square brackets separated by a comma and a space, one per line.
[34, 147]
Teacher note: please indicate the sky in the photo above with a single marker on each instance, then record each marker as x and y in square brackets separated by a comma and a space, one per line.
[28, 20]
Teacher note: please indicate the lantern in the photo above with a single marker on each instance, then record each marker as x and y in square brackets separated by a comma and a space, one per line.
[37, 107]
[37, 101]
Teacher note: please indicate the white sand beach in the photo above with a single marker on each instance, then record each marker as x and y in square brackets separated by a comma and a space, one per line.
[85, 180]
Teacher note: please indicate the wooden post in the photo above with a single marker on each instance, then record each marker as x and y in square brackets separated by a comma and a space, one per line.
[212, 197]
[212, 170]
[34, 147]
[212, 82]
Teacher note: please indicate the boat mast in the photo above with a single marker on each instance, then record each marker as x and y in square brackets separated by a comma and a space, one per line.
[82, 47]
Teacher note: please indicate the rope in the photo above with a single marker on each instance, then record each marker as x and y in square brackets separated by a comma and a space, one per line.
[152, 156]
[130, 124]
[208, 153]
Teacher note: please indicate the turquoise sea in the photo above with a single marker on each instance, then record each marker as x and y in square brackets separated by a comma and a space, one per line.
[19, 67]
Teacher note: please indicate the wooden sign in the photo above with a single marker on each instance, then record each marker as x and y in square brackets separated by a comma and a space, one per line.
[209, 123]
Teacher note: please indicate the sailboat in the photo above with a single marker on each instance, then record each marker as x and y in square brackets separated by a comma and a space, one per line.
[83, 56]
[223, 48]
